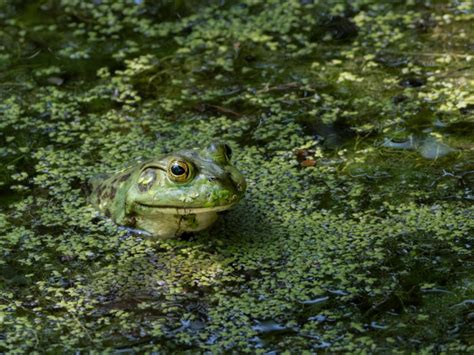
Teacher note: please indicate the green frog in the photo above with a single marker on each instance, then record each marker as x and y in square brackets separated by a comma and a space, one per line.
[171, 194]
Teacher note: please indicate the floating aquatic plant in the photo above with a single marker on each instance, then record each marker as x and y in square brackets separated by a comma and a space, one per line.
[344, 242]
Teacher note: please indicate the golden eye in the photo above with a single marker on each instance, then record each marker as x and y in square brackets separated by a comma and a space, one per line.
[179, 171]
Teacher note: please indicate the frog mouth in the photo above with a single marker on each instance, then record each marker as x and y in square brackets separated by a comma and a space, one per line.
[182, 210]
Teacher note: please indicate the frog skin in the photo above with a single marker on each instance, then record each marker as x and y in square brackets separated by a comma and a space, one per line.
[171, 194]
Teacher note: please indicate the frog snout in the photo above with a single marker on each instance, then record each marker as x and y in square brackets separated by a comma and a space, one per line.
[240, 186]
[223, 178]
[234, 179]
[237, 181]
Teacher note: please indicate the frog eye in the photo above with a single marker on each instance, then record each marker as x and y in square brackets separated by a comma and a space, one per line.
[179, 171]
[228, 152]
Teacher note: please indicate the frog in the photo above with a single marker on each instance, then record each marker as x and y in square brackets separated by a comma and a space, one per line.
[171, 194]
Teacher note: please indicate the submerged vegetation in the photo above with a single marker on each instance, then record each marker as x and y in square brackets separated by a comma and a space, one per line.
[352, 122]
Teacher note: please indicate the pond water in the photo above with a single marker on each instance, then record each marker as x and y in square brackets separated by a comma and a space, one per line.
[351, 120]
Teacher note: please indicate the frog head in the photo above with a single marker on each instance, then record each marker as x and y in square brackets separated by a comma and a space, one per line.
[187, 182]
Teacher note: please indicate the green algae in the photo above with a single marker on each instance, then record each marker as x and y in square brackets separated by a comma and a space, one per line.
[364, 248]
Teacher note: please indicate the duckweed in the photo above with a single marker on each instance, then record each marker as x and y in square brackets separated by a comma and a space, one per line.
[343, 242]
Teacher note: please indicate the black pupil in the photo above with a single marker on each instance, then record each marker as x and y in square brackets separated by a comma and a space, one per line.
[177, 169]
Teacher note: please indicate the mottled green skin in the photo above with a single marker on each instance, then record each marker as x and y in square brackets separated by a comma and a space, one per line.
[145, 196]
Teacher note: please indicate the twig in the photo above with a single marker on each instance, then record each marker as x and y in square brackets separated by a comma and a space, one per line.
[225, 110]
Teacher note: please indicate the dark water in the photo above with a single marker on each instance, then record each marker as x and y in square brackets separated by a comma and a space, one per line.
[352, 122]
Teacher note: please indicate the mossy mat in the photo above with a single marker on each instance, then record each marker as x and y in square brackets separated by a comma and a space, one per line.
[351, 120]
